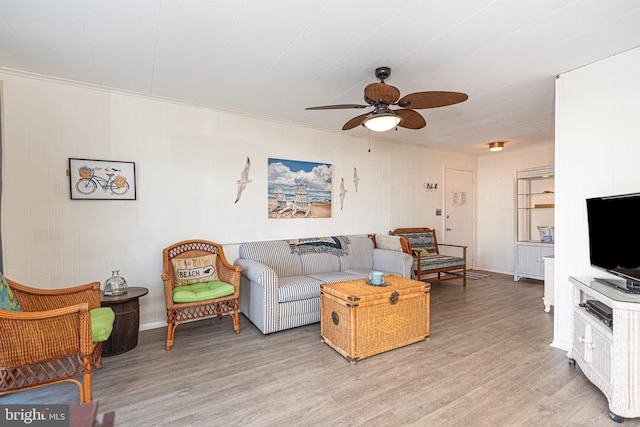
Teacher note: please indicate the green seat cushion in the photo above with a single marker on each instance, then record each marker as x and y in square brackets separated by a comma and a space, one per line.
[7, 300]
[202, 291]
[101, 323]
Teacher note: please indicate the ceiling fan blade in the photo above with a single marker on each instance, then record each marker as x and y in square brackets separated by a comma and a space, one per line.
[356, 121]
[385, 92]
[411, 119]
[337, 107]
[431, 99]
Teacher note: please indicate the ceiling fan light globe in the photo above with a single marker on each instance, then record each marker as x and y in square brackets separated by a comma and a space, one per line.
[382, 122]
[496, 146]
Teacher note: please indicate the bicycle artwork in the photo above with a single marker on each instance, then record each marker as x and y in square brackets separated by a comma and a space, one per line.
[102, 179]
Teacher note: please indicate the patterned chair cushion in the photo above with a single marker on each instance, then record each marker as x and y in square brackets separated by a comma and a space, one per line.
[420, 240]
[437, 261]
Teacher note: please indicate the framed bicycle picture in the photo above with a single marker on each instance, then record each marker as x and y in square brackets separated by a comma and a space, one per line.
[102, 179]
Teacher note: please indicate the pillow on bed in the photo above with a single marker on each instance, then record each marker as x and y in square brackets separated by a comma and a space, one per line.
[194, 270]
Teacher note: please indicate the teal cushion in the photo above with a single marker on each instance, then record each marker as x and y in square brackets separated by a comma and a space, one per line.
[8, 301]
[202, 291]
[101, 323]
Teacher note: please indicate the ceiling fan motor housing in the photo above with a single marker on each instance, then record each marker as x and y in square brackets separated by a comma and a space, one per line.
[383, 73]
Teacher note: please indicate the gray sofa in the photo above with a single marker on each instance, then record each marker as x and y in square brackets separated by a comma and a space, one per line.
[280, 289]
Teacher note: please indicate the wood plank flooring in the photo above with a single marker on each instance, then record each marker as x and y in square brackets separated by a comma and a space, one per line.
[488, 363]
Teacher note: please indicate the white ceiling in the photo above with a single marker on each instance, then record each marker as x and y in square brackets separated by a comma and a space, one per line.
[274, 58]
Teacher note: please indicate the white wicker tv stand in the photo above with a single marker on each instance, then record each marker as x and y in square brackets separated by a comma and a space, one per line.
[609, 357]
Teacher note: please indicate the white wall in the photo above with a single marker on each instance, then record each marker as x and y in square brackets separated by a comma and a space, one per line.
[187, 159]
[597, 152]
[496, 203]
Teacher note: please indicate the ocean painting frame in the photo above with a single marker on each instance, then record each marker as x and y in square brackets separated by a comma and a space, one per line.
[299, 189]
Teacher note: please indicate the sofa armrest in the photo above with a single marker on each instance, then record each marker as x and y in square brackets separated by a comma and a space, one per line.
[253, 270]
[395, 262]
[259, 294]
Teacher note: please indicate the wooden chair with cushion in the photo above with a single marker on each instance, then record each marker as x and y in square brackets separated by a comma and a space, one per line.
[50, 336]
[423, 245]
[199, 283]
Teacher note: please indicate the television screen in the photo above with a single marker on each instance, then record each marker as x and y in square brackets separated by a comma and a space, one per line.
[614, 235]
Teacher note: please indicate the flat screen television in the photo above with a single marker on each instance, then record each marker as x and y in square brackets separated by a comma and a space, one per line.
[614, 238]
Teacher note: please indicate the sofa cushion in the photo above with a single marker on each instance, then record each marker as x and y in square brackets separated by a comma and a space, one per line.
[276, 254]
[101, 323]
[337, 276]
[8, 301]
[202, 291]
[319, 263]
[360, 254]
[187, 271]
[294, 288]
[362, 273]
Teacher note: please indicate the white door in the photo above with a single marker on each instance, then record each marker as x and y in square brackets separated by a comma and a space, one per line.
[458, 212]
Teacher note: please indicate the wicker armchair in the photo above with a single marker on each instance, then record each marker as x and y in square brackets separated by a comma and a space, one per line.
[49, 341]
[178, 313]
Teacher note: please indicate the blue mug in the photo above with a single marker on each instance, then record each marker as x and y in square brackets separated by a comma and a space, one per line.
[376, 277]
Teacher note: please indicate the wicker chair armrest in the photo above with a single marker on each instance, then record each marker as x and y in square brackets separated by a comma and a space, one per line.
[30, 337]
[168, 285]
[229, 273]
[48, 314]
[36, 299]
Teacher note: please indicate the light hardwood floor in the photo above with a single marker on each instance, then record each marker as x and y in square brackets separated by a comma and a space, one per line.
[488, 363]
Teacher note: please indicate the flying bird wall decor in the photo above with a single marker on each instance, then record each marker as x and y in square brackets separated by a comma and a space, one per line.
[244, 180]
[355, 178]
[343, 192]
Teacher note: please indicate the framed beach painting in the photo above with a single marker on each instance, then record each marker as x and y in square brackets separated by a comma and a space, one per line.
[102, 179]
[298, 189]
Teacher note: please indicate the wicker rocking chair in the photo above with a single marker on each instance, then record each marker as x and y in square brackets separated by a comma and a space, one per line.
[180, 312]
[50, 340]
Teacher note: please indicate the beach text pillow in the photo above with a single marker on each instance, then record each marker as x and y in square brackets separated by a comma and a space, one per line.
[194, 270]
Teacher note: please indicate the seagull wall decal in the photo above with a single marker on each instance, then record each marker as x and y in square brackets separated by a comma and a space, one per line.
[343, 191]
[244, 180]
[355, 178]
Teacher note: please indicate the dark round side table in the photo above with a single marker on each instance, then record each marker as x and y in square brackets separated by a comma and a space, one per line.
[124, 336]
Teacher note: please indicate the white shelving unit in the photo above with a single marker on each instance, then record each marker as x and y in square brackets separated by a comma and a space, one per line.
[534, 206]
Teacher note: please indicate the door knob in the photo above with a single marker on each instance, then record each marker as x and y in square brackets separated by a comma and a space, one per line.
[447, 229]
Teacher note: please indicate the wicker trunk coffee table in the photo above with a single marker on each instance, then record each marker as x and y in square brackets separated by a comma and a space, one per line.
[359, 320]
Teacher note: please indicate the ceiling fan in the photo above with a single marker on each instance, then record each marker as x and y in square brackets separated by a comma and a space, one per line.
[381, 96]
